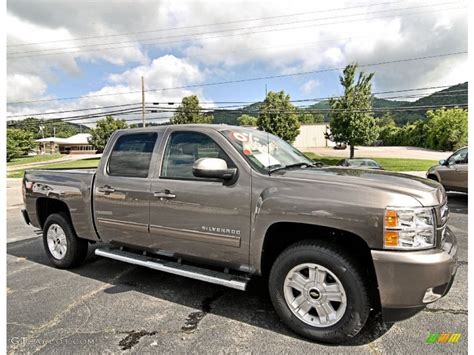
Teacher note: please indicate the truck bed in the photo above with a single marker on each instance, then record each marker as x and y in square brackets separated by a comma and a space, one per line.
[72, 187]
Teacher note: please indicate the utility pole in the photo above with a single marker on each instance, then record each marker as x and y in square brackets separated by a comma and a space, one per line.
[44, 144]
[143, 102]
[54, 131]
[266, 92]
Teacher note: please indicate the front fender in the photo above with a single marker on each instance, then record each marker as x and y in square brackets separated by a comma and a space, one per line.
[357, 210]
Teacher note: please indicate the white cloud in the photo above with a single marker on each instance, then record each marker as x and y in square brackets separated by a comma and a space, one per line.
[309, 86]
[164, 72]
[331, 41]
[25, 87]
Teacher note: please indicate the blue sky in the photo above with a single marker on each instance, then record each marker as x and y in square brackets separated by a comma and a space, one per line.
[253, 39]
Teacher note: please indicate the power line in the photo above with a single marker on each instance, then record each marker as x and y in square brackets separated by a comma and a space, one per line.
[204, 25]
[380, 109]
[238, 104]
[81, 118]
[243, 80]
[68, 111]
[236, 29]
[243, 110]
[78, 50]
[421, 96]
[321, 98]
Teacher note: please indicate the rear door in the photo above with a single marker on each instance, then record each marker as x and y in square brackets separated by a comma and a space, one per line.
[204, 218]
[122, 188]
[454, 173]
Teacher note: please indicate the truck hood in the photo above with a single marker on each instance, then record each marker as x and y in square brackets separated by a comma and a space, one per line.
[427, 192]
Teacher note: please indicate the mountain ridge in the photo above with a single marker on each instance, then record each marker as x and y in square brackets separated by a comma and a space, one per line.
[453, 95]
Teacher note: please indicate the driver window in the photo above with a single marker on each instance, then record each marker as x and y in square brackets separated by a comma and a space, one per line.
[459, 157]
[184, 148]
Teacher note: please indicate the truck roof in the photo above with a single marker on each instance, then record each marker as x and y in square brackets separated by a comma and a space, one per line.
[216, 127]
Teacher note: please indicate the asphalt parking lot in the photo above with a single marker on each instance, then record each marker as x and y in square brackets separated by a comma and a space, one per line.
[109, 306]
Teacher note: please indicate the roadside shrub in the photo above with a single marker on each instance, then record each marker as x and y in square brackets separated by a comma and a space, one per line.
[444, 129]
[447, 129]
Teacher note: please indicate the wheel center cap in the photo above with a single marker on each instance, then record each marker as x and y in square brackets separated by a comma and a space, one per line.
[314, 294]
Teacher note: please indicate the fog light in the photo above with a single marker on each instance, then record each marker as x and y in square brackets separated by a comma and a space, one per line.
[430, 296]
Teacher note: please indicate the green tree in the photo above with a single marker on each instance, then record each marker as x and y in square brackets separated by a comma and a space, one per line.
[279, 117]
[103, 130]
[247, 120]
[190, 112]
[310, 117]
[447, 128]
[352, 121]
[19, 142]
[12, 149]
[386, 120]
[390, 135]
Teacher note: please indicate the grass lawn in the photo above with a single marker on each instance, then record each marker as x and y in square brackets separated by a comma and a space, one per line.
[83, 163]
[390, 164]
[33, 159]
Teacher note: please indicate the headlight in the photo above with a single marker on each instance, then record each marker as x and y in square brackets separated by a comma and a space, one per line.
[409, 228]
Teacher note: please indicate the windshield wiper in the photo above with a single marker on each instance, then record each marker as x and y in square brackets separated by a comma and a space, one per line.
[290, 166]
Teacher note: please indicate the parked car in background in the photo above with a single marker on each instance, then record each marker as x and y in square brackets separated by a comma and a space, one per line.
[360, 164]
[452, 172]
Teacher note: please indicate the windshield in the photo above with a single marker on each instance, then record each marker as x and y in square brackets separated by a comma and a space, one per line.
[265, 152]
[360, 162]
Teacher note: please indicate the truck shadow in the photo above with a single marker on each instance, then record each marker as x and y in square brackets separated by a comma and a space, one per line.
[252, 307]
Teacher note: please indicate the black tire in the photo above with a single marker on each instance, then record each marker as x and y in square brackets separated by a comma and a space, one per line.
[76, 250]
[356, 291]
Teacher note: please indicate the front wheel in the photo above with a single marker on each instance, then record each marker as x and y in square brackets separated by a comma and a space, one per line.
[63, 248]
[319, 292]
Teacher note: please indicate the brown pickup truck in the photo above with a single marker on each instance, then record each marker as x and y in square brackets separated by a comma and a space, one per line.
[221, 203]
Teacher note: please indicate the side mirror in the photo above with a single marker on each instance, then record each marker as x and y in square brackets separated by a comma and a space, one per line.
[213, 168]
[442, 162]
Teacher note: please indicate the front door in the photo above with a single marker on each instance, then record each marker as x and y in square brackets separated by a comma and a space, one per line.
[122, 190]
[205, 218]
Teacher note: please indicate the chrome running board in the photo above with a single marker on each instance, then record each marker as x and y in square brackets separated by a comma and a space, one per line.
[219, 278]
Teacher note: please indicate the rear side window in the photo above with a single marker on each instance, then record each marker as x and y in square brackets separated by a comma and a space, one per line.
[131, 155]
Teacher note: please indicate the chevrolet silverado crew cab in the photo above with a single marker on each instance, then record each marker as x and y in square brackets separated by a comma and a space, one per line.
[221, 203]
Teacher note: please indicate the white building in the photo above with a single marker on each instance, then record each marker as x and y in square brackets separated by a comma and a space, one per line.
[313, 136]
[77, 144]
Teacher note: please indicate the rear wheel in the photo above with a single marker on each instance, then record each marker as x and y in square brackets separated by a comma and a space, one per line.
[319, 292]
[63, 248]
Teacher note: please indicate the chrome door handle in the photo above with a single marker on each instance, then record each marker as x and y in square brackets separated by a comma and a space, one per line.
[164, 194]
[106, 189]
